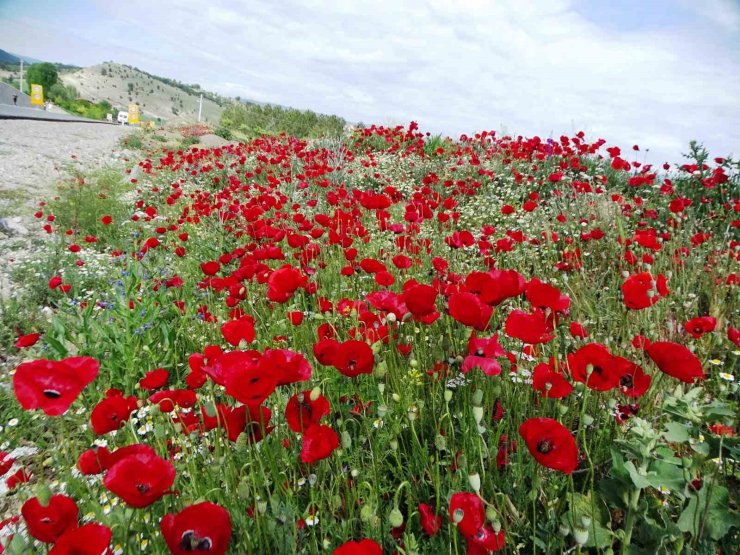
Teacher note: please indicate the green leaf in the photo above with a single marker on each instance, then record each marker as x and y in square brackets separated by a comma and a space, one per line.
[640, 481]
[56, 346]
[667, 475]
[676, 432]
[591, 507]
[717, 518]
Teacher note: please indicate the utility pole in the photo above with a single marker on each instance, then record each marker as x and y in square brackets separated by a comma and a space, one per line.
[21, 84]
[200, 106]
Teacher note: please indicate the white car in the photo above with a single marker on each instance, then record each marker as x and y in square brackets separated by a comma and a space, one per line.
[123, 118]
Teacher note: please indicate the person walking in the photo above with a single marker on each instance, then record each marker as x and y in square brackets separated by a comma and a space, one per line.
[15, 100]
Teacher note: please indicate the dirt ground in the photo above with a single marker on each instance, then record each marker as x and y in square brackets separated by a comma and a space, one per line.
[34, 156]
[32, 153]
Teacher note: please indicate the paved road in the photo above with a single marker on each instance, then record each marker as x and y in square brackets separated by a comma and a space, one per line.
[17, 112]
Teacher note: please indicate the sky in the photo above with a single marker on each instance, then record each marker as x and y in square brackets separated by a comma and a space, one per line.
[657, 73]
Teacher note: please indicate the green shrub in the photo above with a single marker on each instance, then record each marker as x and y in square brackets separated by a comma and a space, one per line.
[224, 133]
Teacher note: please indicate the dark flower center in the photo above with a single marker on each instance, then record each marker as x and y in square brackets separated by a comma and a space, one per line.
[626, 381]
[191, 542]
[598, 370]
[52, 393]
[143, 488]
[544, 446]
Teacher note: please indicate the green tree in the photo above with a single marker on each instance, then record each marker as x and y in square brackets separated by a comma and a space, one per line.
[43, 74]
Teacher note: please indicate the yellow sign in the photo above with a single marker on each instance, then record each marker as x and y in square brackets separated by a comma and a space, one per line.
[133, 113]
[37, 95]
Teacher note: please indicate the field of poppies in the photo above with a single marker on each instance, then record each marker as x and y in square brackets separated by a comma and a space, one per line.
[386, 343]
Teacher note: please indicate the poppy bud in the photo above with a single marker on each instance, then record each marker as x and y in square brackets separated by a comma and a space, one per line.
[491, 515]
[564, 530]
[315, 393]
[381, 369]
[395, 518]
[242, 490]
[394, 444]
[478, 414]
[477, 397]
[474, 481]
[366, 513]
[440, 443]
[346, 440]
[580, 535]
[448, 395]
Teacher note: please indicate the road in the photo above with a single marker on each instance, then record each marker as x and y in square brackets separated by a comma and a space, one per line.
[17, 112]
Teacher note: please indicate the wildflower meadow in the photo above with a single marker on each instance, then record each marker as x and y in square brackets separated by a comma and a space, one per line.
[389, 342]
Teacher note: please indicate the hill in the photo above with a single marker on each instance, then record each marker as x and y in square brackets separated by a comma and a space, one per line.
[8, 58]
[159, 98]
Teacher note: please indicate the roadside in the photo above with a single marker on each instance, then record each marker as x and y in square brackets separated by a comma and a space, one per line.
[34, 157]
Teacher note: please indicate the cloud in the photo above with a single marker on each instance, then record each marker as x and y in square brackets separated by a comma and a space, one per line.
[536, 67]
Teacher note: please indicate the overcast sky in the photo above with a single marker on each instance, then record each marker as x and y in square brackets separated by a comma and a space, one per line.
[653, 72]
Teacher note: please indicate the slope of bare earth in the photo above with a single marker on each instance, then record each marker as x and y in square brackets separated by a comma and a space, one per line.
[121, 85]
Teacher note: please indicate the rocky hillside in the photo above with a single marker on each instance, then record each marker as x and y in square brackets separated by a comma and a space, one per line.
[160, 98]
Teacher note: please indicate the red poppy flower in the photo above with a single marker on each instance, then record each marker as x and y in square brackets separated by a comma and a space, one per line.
[468, 309]
[90, 539]
[112, 412]
[140, 478]
[168, 399]
[676, 360]
[542, 295]
[154, 379]
[52, 385]
[642, 291]
[578, 330]
[430, 521]
[28, 340]
[633, 382]
[303, 411]
[210, 268]
[319, 442]
[550, 383]
[353, 358]
[201, 528]
[696, 327]
[420, 299]
[94, 461]
[362, 547]
[485, 541]
[593, 365]
[531, 328]
[467, 511]
[496, 286]
[251, 420]
[6, 462]
[287, 366]
[733, 334]
[283, 282]
[550, 443]
[47, 522]
[241, 329]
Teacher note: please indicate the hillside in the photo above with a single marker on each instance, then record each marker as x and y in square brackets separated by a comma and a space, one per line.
[158, 98]
[8, 58]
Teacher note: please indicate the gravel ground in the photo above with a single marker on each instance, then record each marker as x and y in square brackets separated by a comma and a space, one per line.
[34, 156]
[32, 153]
